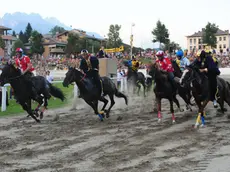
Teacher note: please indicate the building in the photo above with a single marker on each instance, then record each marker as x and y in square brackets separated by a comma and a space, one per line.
[52, 46]
[9, 42]
[194, 42]
[55, 45]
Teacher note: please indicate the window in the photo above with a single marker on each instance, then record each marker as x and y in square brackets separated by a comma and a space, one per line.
[190, 41]
[220, 38]
[220, 46]
[224, 38]
[199, 47]
[199, 41]
[194, 47]
[190, 48]
[224, 45]
[10, 42]
[194, 41]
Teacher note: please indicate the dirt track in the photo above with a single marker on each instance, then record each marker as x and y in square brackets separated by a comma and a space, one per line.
[78, 141]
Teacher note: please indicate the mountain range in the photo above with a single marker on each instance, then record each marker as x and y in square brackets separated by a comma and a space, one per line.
[18, 21]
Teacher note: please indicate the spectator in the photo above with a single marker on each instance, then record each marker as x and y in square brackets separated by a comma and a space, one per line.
[49, 77]
[120, 76]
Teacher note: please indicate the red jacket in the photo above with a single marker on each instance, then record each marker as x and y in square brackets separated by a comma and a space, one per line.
[165, 65]
[22, 64]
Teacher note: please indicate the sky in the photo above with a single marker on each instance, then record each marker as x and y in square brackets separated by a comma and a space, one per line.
[181, 17]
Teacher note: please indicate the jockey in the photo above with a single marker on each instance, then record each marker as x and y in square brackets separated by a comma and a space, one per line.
[90, 67]
[135, 64]
[208, 65]
[24, 64]
[183, 60]
[166, 65]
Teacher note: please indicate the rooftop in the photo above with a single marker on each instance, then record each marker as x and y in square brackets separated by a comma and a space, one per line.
[8, 37]
[52, 41]
[81, 33]
[200, 33]
[4, 28]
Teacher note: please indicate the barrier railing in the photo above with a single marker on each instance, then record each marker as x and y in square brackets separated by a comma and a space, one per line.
[123, 88]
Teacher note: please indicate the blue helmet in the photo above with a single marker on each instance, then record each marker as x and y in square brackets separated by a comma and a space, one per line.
[179, 53]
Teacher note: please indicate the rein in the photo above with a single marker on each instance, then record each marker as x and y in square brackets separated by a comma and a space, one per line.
[16, 77]
[83, 78]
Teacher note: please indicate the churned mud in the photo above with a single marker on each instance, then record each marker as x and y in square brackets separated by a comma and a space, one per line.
[131, 140]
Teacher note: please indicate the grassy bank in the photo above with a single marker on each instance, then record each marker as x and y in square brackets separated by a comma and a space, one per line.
[14, 108]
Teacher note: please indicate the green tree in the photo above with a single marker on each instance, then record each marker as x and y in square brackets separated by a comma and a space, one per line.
[72, 46]
[160, 33]
[93, 45]
[22, 37]
[56, 29]
[2, 43]
[28, 32]
[173, 45]
[17, 44]
[209, 34]
[114, 39]
[36, 43]
[14, 33]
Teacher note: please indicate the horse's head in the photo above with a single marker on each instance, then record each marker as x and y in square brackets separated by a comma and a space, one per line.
[187, 76]
[9, 72]
[71, 76]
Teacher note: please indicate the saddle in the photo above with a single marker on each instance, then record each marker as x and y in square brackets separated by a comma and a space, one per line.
[90, 85]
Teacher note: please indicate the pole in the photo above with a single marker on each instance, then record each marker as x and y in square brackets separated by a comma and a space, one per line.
[4, 98]
[131, 46]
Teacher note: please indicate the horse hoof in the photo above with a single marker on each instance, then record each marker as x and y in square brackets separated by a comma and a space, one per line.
[38, 121]
[107, 115]
[173, 121]
[202, 126]
[196, 125]
[181, 110]
[159, 120]
[101, 117]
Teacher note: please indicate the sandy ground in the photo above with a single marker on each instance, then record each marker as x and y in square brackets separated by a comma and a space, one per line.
[76, 141]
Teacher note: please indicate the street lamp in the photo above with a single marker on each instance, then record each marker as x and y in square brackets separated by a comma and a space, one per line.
[131, 40]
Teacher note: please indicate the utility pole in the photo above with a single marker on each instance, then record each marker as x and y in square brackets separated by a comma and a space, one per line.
[131, 41]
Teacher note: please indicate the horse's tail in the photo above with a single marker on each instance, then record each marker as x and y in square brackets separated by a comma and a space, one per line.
[121, 95]
[56, 92]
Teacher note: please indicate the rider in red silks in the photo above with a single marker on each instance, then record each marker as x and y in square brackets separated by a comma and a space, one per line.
[24, 64]
[166, 65]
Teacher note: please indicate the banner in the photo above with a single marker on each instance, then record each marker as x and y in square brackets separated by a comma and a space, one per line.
[114, 50]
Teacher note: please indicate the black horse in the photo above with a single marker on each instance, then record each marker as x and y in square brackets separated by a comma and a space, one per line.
[200, 90]
[91, 94]
[23, 89]
[185, 93]
[135, 79]
[164, 89]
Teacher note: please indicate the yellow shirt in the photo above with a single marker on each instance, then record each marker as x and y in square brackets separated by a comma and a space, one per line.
[135, 65]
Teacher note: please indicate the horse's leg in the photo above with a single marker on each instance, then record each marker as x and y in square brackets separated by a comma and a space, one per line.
[105, 101]
[94, 108]
[177, 103]
[26, 106]
[139, 87]
[172, 111]
[44, 107]
[185, 98]
[221, 103]
[112, 103]
[202, 112]
[159, 116]
[144, 87]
